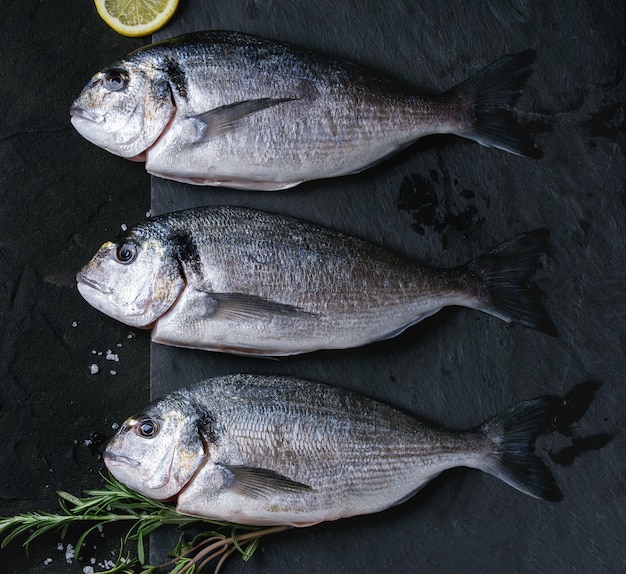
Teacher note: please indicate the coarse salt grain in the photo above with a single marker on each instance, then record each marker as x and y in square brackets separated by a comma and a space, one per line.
[93, 368]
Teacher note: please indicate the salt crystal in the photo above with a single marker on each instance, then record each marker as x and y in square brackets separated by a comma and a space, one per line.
[110, 356]
[60, 546]
[92, 560]
[115, 426]
[93, 351]
[119, 345]
[124, 227]
[47, 561]
[69, 554]
[88, 570]
[74, 324]
[148, 213]
[93, 368]
[113, 372]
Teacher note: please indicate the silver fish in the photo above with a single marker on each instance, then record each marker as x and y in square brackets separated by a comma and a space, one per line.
[274, 450]
[240, 280]
[228, 109]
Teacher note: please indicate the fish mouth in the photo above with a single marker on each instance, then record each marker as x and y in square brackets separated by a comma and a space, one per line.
[80, 113]
[112, 459]
[103, 298]
[83, 280]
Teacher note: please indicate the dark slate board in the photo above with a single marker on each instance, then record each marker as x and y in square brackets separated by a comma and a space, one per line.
[444, 201]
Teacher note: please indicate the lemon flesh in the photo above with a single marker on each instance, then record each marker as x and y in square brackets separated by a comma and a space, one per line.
[136, 17]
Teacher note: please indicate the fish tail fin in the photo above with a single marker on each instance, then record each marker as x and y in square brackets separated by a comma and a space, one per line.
[511, 452]
[486, 100]
[499, 281]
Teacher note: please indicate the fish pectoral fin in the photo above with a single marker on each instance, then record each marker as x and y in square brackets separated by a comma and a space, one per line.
[241, 306]
[219, 121]
[262, 482]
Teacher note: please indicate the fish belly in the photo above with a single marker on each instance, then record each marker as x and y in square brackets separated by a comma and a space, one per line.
[280, 335]
[278, 152]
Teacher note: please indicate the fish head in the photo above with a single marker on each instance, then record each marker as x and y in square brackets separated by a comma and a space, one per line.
[135, 278]
[125, 107]
[158, 451]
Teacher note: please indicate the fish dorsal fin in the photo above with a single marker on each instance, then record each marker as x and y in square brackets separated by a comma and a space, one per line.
[219, 121]
[241, 306]
[262, 482]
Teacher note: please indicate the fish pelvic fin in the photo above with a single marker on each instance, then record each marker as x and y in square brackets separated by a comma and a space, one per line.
[261, 482]
[499, 280]
[511, 455]
[245, 307]
[486, 100]
[224, 119]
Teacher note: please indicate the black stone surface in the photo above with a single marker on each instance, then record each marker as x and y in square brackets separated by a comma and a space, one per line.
[442, 201]
[59, 196]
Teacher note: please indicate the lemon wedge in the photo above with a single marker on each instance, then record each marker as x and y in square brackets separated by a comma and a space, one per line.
[136, 17]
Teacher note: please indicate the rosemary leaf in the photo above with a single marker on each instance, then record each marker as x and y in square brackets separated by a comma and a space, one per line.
[118, 503]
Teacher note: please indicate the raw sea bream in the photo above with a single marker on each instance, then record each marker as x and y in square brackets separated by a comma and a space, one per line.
[228, 109]
[245, 281]
[265, 450]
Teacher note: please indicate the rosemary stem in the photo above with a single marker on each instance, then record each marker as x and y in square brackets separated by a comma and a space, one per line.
[118, 503]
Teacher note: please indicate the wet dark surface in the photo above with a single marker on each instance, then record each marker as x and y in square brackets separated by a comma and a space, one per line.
[442, 201]
[59, 197]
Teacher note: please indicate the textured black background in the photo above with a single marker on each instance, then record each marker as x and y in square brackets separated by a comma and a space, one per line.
[442, 201]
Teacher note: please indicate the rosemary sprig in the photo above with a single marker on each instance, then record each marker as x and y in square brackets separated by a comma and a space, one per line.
[118, 503]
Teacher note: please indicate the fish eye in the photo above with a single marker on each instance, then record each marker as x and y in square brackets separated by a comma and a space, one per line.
[126, 252]
[115, 80]
[147, 428]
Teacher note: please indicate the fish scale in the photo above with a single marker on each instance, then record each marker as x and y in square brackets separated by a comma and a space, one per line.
[229, 109]
[240, 280]
[278, 450]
